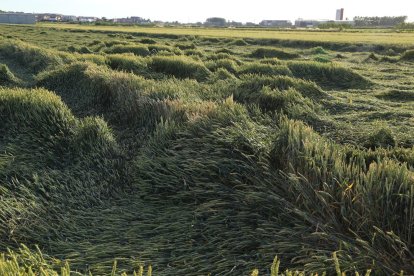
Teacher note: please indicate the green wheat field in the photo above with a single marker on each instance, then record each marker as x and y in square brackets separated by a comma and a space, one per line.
[179, 151]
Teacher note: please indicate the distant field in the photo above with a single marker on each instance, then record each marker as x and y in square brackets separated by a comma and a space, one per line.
[371, 37]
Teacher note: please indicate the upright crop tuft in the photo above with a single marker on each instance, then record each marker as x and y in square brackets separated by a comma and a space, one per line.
[254, 83]
[381, 137]
[329, 75]
[408, 55]
[134, 49]
[265, 69]
[180, 67]
[128, 63]
[35, 58]
[273, 53]
[6, 76]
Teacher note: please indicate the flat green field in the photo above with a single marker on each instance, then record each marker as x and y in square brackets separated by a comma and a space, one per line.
[180, 151]
[364, 36]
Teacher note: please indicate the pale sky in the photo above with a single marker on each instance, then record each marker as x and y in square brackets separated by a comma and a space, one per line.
[193, 11]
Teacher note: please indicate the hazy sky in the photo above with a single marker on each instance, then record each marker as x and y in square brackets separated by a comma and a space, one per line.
[193, 11]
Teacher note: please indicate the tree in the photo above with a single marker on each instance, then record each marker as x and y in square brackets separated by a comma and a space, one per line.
[405, 26]
[375, 21]
[216, 21]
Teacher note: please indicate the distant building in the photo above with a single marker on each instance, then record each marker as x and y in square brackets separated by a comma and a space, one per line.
[339, 14]
[17, 18]
[50, 17]
[69, 18]
[276, 23]
[85, 19]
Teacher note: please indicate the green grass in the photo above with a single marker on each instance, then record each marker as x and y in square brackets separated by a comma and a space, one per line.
[265, 69]
[408, 55]
[134, 49]
[42, 152]
[93, 90]
[329, 75]
[128, 63]
[238, 42]
[180, 67]
[228, 64]
[157, 48]
[33, 57]
[6, 76]
[318, 50]
[273, 53]
[397, 95]
[205, 151]
[254, 83]
[25, 262]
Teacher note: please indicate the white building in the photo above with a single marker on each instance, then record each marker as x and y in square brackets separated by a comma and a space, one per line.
[87, 19]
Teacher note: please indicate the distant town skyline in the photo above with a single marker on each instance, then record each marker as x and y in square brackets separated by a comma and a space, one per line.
[190, 11]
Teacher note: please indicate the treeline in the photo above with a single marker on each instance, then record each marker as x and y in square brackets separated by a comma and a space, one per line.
[221, 22]
[110, 23]
[405, 26]
[375, 21]
[333, 25]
